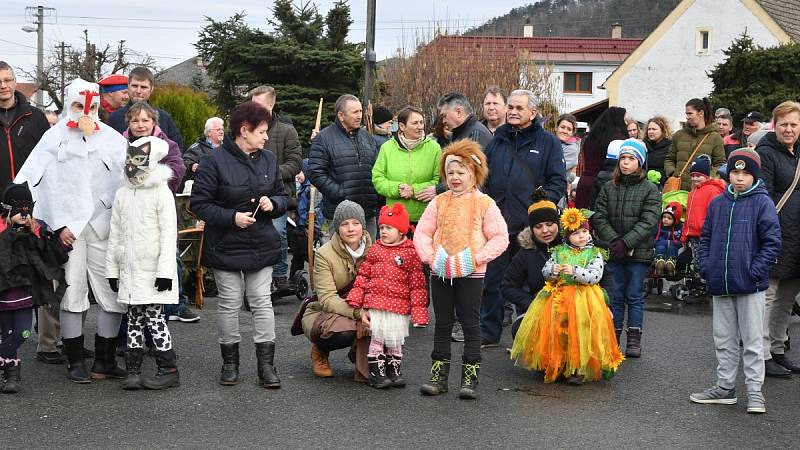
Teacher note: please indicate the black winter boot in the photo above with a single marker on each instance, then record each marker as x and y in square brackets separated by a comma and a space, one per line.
[440, 371]
[267, 375]
[133, 364]
[105, 359]
[377, 372]
[633, 346]
[76, 368]
[229, 375]
[393, 363]
[469, 381]
[12, 376]
[167, 373]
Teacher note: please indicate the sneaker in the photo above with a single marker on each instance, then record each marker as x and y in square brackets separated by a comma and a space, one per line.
[756, 403]
[420, 325]
[787, 363]
[458, 333]
[669, 268]
[773, 369]
[489, 344]
[715, 395]
[184, 314]
[659, 267]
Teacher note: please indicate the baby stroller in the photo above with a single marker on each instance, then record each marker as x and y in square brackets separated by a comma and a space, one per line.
[688, 286]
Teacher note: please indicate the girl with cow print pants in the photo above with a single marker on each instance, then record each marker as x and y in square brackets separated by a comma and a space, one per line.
[141, 260]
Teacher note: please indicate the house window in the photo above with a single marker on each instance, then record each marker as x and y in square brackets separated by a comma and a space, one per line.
[578, 82]
[703, 41]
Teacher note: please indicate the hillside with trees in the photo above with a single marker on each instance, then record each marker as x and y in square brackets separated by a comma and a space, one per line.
[580, 18]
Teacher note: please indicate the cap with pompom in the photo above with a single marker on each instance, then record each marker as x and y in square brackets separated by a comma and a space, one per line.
[542, 209]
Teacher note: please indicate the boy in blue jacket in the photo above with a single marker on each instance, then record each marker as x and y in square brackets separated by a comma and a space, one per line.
[740, 242]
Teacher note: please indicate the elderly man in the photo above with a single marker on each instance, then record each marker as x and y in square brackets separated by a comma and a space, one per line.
[284, 143]
[340, 162]
[141, 84]
[724, 125]
[750, 124]
[521, 157]
[494, 108]
[113, 94]
[212, 136]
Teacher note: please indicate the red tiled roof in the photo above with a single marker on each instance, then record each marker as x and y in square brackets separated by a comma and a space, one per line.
[27, 89]
[542, 48]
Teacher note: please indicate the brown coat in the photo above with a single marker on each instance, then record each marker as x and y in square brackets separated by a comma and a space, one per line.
[334, 269]
[284, 143]
[684, 142]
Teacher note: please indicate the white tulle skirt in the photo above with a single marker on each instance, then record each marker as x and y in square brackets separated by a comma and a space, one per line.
[388, 327]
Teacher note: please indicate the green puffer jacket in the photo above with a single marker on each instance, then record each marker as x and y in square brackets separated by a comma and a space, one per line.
[630, 211]
[418, 168]
[684, 142]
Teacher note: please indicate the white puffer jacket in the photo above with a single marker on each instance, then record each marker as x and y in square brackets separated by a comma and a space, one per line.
[144, 233]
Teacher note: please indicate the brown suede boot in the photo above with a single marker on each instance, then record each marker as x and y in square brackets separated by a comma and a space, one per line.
[319, 363]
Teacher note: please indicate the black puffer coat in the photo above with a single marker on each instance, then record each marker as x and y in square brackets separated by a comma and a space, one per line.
[656, 154]
[340, 166]
[777, 170]
[523, 278]
[230, 181]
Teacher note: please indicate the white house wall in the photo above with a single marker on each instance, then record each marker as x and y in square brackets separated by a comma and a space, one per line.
[571, 102]
[671, 72]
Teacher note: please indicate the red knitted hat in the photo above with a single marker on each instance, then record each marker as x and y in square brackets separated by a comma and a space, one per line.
[396, 217]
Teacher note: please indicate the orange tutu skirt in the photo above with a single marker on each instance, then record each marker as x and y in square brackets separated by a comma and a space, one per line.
[568, 329]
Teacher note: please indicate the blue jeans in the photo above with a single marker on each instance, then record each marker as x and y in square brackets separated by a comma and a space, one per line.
[667, 251]
[281, 268]
[171, 309]
[628, 292]
[493, 303]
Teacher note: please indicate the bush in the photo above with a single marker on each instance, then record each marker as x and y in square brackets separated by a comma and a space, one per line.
[189, 109]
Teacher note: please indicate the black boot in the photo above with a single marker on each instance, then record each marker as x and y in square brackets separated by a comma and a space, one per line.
[267, 375]
[229, 375]
[618, 334]
[105, 359]
[440, 371]
[393, 363]
[377, 372]
[12, 376]
[76, 368]
[469, 381]
[633, 346]
[167, 373]
[133, 364]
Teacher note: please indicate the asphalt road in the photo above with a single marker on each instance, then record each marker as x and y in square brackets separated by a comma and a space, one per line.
[645, 405]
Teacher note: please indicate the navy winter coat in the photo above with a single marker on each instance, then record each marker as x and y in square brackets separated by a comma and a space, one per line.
[740, 242]
[340, 166]
[510, 185]
[229, 181]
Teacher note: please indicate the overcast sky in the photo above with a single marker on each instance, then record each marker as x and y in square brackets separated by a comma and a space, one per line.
[167, 29]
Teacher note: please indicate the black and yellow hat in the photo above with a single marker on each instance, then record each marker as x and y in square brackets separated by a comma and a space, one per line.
[541, 209]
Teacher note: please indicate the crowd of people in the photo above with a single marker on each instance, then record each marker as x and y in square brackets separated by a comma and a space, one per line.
[482, 215]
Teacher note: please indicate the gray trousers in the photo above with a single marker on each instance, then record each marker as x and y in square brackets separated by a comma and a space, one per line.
[781, 296]
[738, 317]
[232, 287]
[49, 329]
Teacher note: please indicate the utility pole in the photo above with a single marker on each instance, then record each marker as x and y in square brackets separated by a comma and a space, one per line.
[370, 58]
[39, 13]
[63, 64]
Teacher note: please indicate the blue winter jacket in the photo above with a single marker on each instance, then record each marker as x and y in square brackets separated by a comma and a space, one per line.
[510, 185]
[740, 242]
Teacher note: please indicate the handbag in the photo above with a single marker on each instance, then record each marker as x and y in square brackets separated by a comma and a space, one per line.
[673, 183]
[297, 323]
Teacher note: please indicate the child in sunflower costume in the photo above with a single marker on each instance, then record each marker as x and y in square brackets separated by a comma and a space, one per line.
[568, 329]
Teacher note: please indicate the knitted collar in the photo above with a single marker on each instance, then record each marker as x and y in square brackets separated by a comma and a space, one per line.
[409, 144]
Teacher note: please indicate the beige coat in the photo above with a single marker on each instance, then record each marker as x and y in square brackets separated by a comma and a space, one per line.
[334, 269]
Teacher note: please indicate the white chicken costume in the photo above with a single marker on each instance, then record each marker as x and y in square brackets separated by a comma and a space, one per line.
[73, 173]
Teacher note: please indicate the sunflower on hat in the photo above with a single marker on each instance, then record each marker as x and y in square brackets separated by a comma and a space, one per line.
[572, 219]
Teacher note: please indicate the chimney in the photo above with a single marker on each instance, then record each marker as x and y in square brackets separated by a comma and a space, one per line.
[527, 29]
[616, 30]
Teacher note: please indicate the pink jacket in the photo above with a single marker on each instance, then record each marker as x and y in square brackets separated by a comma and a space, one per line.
[494, 227]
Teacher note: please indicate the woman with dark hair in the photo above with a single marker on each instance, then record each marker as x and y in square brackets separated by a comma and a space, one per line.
[407, 168]
[610, 126]
[238, 191]
[658, 141]
[698, 137]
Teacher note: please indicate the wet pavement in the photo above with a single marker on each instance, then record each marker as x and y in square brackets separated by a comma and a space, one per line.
[645, 405]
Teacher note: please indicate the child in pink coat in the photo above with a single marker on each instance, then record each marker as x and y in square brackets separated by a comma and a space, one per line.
[460, 231]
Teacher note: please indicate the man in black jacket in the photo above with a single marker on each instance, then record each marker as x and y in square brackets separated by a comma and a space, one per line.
[22, 126]
[457, 113]
[141, 83]
[340, 162]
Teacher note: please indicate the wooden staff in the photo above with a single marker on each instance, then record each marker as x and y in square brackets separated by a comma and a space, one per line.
[319, 116]
[368, 120]
[312, 220]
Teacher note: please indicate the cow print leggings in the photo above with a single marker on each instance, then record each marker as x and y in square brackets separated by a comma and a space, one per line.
[152, 317]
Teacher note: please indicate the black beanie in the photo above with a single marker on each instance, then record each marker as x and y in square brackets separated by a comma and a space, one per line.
[541, 209]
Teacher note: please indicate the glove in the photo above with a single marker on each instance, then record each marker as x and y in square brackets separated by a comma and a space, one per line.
[618, 249]
[163, 284]
[114, 283]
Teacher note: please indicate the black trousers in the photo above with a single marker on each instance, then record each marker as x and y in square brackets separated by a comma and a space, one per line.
[460, 296]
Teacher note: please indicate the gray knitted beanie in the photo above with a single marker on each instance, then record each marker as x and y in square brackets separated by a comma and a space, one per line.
[348, 210]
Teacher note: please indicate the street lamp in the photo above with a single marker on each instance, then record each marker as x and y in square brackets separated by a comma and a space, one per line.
[39, 30]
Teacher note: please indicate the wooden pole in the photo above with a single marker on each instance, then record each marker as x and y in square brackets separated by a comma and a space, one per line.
[319, 116]
[312, 220]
